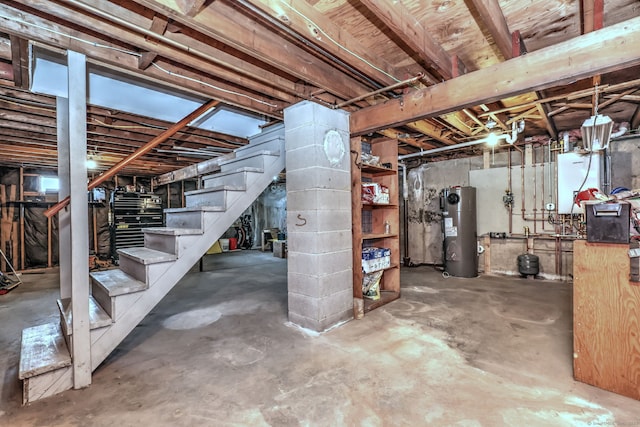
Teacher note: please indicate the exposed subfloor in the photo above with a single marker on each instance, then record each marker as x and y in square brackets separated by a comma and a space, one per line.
[218, 351]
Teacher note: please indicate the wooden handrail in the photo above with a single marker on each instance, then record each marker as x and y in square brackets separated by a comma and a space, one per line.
[136, 154]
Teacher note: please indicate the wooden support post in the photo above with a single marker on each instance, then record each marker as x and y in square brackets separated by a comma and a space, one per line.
[49, 244]
[21, 199]
[81, 352]
[94, 223]
[64, 219]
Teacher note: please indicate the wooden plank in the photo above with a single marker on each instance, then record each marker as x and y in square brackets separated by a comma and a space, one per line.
[43, 349]
[411, 31]
[356, 219]
[306, 20]
[180, 54]
[610, 49]
[4, 232]
[493, 19]
[606, 318]
[221, 23]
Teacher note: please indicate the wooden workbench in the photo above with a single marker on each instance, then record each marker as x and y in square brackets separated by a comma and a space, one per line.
[606, 318]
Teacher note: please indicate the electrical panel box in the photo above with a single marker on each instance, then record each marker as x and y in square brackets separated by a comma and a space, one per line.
[577, 172]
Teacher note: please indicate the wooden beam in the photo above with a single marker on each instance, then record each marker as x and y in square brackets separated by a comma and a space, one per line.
[635, 119]
[517, 44]
[158, 26]
[193, 7]
[493, 19]
[592, 15]
[19, 60]
[408, 29]
[212, 64]
[222, 23]
[610, 49]
[6, 71]
[321, 30]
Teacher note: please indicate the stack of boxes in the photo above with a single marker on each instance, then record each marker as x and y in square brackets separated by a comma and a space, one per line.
[374, 259]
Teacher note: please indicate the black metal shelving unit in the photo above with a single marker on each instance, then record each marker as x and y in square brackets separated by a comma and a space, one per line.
[130, 213]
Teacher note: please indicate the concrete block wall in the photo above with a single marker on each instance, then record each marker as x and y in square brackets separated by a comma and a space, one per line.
[319, 238]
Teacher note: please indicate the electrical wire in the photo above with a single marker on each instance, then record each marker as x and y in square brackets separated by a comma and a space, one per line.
[350, 52]
[171, 73]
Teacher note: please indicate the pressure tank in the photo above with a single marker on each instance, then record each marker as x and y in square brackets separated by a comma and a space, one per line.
[460, 253]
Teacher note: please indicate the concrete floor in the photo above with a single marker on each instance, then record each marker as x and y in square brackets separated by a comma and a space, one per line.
[218, 351]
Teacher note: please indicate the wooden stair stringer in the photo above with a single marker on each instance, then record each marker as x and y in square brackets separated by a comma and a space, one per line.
[215, 225]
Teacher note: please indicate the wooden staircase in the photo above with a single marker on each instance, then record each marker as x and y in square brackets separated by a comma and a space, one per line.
[122, 297]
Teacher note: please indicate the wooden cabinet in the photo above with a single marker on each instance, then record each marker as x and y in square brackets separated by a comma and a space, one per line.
[606, 318]
[375, 224]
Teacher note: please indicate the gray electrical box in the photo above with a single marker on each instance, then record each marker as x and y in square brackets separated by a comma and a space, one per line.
[607, 222]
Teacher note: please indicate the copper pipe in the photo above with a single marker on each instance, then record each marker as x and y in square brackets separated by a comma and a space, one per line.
[136, 154]
[384, 89]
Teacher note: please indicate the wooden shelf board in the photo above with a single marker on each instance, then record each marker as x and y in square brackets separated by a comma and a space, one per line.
[392, 266]
[372, 236]
[385, 297]
[378, 170]
[378, 205]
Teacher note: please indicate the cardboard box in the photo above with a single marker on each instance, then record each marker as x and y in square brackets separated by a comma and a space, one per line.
[374, 193]
[374, 259]
[280, 248]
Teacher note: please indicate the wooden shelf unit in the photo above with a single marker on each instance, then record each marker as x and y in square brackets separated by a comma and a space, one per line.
[387, 150]
[606, 318]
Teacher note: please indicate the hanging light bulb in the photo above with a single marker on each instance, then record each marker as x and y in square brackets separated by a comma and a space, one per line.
[492, 139]
[91, 161]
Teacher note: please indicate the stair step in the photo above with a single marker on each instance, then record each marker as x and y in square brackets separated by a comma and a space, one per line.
[146, 256]
[236, 177]
[98, 318]
[265, 144]
[171, 240]
[206, 197]
[254, 159]
[116, 282]
[189, 217]
[145, 264]
[222, 187]
[212, 196]
[168, 231]
[115, 291]
[43, 350]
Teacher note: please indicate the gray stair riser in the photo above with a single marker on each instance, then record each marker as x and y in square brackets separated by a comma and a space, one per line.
[250, 162]
[148, 274]
[115, 306]
[93, 333]
[210, 198]
[169, 243]
[238, 180]
[269, 145]
[184, 219]
[47, 384]
[101, 295]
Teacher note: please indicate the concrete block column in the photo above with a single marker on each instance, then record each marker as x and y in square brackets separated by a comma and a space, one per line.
[319, 236]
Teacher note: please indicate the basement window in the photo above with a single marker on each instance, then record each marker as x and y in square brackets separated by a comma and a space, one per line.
[49, 184]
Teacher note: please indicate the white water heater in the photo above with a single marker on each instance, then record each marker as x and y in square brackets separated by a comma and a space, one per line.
[573, 168]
